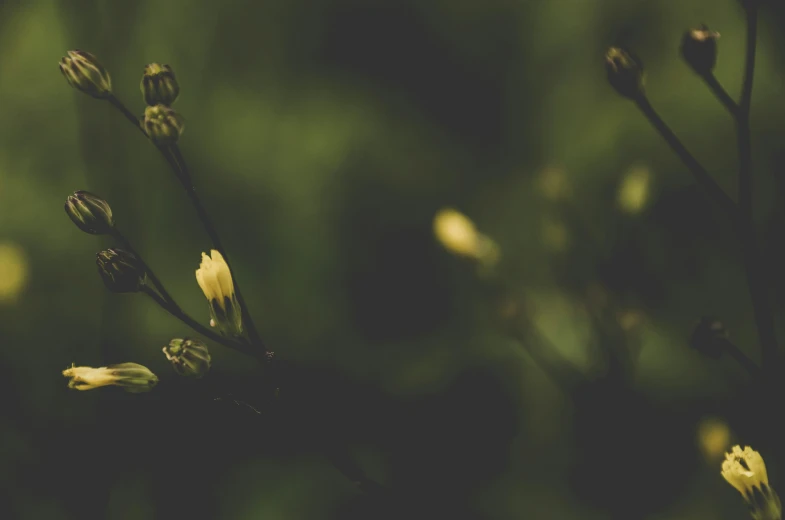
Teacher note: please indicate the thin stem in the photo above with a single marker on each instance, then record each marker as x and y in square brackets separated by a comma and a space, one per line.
[702, 176]
[204, 217]
[127, 113]
[741, 358]
[743, 121]
[753, 258]
[178, 313]
[721, 94]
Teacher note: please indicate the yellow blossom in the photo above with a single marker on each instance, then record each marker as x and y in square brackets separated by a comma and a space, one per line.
[132, 377]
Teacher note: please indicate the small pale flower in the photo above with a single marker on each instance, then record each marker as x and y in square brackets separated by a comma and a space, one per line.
[460, 236]
[215, 280]
[745, 470]
[131, 377]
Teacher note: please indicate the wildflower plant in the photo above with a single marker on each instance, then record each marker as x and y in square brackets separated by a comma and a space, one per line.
[124, 270]
[744, 468]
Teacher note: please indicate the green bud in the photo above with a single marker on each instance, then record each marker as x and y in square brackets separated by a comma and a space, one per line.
[159, 86]
[162, 124]
[699, 49]
[90, 213]
[625, 72]
[189, 357]
[84, 72]
[120, 270]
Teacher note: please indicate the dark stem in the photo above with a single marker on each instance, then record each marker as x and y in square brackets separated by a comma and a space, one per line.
[724, 98]
[703, 178]
[178, 313]
[127, 113]
[753, 258]
[204, 217]
[742, 359]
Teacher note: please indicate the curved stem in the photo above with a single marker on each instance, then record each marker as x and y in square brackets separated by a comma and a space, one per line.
[753, 258]
[178, 313]
[700, 174]
[721, 94]
[204, 217]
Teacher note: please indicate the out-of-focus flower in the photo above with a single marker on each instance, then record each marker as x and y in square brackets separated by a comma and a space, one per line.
[554, 184]
[159, 86]
[699, 49]
[215, 280]
[713, 437]
[163, 125]
[90, 213]
[745, 470]
[120, 270]
[625, 72]
[189, 357]
[131, 377]
[84, 72]
[460, 236]
[634, 190]
[13, 271]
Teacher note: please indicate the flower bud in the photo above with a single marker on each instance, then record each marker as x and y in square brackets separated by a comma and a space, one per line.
[163, 125]
[90, 213]
[84, 72]
[699, 49]
[709, 337]
[625, 72]
[120, 270]
[131, 377]
[189, 357]
[215, 280]
[159, 86]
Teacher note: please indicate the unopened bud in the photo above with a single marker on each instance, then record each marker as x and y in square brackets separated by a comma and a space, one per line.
[625, 72]
[709, 337]
[84, 72]
[90, 213]
[699, 49]
[131, 377]
[163, 125]
[189, 357]
[159, 86]
[120, 270]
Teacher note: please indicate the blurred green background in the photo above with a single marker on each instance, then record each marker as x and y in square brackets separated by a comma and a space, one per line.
[324, 135]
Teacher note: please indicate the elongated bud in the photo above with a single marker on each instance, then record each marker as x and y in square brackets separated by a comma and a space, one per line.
[163, 125]
[131, 377]
[189, 357]
[120, 270]
[709, 337]
[84, 72]
[159, 86]
[215, 280]
[625, 72]
[90, 213]
[699, 49]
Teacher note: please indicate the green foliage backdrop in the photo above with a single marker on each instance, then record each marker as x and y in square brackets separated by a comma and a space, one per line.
[323, 136]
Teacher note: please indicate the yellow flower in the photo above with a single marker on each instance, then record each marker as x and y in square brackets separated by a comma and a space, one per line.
[215, 280]
[132, 377]
[459, 235]
[746, 471]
